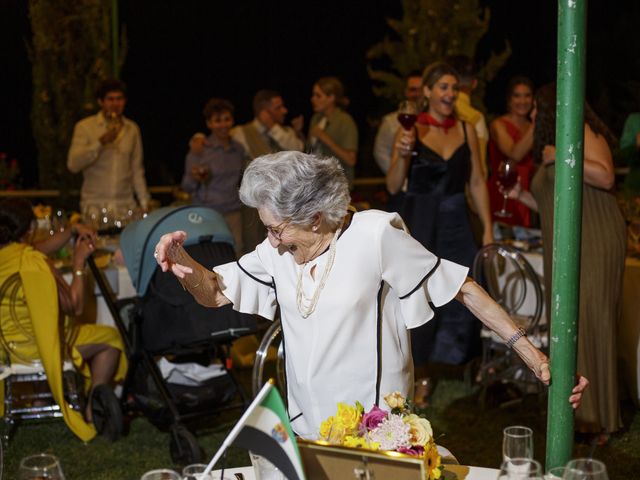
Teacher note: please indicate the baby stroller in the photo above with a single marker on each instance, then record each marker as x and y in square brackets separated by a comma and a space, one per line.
[165, 323]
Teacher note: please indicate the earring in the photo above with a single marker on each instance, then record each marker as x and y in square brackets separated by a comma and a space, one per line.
[314, 228]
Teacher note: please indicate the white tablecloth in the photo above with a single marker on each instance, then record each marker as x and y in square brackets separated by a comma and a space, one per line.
[462, 472]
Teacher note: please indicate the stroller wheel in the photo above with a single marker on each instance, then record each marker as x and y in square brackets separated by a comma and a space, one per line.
[184, 448]
[107, 414]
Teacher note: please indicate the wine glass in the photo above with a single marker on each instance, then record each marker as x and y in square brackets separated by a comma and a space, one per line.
[517, 442]
[407, 114]
[520, 469]
[40, 466]
[585, 469]
[507, 179]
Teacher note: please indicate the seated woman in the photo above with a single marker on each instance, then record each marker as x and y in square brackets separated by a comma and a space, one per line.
[349, 286]
[45, 305]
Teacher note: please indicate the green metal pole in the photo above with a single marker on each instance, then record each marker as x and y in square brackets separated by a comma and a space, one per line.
[567, 227]
[115, 39]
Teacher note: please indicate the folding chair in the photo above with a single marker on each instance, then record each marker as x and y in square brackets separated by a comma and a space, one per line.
[512, 282]
[26, 391]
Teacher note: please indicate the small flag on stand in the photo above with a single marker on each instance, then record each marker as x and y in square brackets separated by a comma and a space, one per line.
[265, 430]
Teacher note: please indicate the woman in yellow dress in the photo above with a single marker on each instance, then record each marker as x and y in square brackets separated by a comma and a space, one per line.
[42, 327]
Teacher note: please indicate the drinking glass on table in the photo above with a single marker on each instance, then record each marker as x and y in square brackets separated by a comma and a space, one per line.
[517, 442]
[556, 473]
[507, 178]
[585, 469]
[161, 474]
[195, 471]
[520, 469]
[40, 466]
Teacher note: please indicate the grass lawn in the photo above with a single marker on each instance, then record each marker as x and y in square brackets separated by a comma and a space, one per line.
[473, 434]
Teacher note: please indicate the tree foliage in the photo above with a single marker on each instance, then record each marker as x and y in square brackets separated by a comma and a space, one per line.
[70, 53]
[428, 31]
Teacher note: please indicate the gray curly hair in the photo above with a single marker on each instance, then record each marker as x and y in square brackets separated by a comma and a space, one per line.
[295, 186]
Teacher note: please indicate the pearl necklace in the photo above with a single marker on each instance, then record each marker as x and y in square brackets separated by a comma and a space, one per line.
[301, 300]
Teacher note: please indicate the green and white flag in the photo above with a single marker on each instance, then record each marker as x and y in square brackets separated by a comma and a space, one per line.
[265, 430]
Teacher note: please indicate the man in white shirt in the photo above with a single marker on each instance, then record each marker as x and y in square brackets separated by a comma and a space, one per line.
[107, 149]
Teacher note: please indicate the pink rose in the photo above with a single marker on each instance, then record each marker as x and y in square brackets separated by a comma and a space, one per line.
[415, 450]
[373, 417]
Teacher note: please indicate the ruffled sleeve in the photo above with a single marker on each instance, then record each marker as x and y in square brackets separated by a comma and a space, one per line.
[418, 277]
[248, 283]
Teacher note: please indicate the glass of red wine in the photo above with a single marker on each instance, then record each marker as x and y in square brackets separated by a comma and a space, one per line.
[407, 114]
[507, 178]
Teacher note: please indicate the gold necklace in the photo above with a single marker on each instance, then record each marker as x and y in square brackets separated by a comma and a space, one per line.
[307, 306]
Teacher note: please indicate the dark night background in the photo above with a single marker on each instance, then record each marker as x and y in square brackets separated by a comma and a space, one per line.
[180, 53]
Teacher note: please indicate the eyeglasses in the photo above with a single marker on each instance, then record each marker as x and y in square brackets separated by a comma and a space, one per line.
[276, 232]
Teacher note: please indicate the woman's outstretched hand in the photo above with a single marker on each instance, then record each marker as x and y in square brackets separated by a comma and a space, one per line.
[578, 390]
[163, 254]
[543, 374]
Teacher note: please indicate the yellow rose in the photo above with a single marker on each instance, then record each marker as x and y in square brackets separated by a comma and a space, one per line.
[325, 428]
[349, 416]
[337, 433]
[419, 429]
[395, 400]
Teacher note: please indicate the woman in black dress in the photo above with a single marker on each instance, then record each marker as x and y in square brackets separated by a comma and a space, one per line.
[438, 159]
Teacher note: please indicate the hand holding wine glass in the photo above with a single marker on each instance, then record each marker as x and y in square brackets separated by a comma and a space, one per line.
[507, 177]
[407, 117]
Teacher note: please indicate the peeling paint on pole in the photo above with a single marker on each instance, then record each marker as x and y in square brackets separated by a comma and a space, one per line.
[566, 230]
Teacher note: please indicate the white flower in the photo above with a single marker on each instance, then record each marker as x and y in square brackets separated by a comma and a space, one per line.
[392, 433]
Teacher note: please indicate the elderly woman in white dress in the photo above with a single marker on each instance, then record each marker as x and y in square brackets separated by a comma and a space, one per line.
[349, 286]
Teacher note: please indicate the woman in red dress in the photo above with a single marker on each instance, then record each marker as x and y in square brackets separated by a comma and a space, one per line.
[512, 137]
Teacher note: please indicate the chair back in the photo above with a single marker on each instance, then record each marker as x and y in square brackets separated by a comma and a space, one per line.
[512, 282]
[10, 319]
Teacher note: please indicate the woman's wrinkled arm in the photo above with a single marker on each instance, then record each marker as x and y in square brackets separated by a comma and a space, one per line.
[478, 301]
[199, 281]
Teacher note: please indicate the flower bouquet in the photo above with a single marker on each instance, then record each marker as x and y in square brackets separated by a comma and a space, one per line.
[398, 430]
